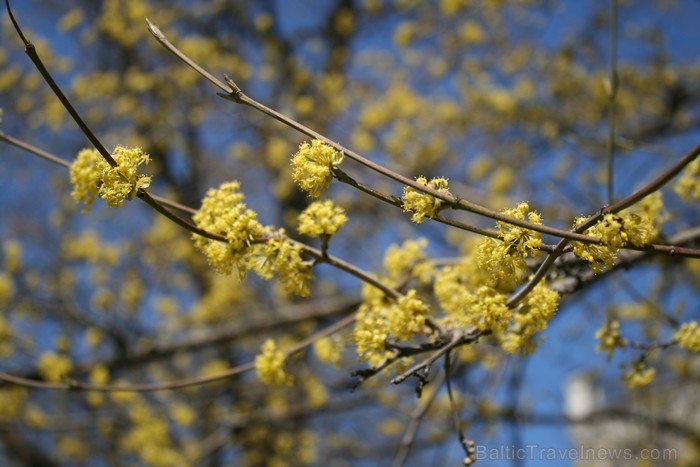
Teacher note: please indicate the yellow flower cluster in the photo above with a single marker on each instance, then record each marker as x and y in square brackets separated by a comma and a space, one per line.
[92, 176]
[609, 338]
[321, 218]
[504, 258]
[312, 165]
[637, 225]
[53, 366]
[328, 350]
[270, 365]
[7, 288]
[408, 259]
[486, 309]
[532, 316]
[639, 376]
[688, 186]
[280, 255]
[379, 320]
[224, 212]
[421, 204]
[688, 336]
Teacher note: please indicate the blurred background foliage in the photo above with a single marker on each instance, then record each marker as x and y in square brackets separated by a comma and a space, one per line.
[506, 99]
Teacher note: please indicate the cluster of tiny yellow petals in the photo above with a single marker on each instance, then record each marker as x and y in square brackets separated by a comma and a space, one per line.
[270, 365]
[688, 336]
[402, 260]
[321, 218]
[637, 225]
[282, 256]
[85, 176]
[123, 181]
[371, 332]
[537, 309]
[223, 212]
[92, 176]
[423, 205]
[600, 256]
[504, 258]
[408, 316]
[53, 366]
[688, 186]
[639, 376]
[328, 350]
[380, 320]
[312, 165]
[609, 338]
[485, 308]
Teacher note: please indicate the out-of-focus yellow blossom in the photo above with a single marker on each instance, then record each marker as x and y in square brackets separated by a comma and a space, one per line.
[270, 365]
[53, 366]
[11, 401]
[312, 165]
[688, 336]
[688, 186]
[504, 259]
[92, 176]
[87, 246]
[423, 205]
[34, 416]
[321, 218]
[328, 350]
[381, 319]
[223, 212]
[7, 288]
[85, 176]
[609, 338]
[639, 376]
[531, 317]
[12, 251]
[182, 413]
[401, 260]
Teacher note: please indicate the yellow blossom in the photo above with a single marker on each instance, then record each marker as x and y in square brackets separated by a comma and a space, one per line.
[421, 204]
[321, 218]
[637, 225]
[312, 165]
[609, 338]
[688, 186]
[270, 365]
[7, 288]
[504, 258]
[53, 366]
[688, 336]
[408, 316]
[639, 376]
[370, 333]
[12, 250]
[92, 176]
[328, 350]
[401, 260]
[223, 212]
[284, 257]
[85, 176]
[531, 317]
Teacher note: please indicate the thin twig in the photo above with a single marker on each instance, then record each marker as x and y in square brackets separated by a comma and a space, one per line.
[417, 416]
